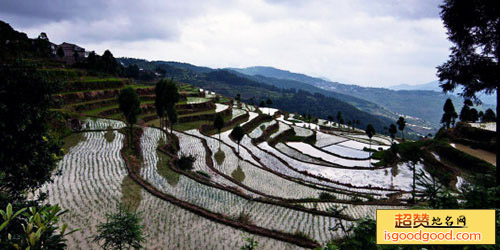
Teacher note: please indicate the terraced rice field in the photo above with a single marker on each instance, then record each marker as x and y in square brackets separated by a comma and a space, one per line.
[314, 152]
[275, 187]
[195, 100]
[238, 112]
[92, 180]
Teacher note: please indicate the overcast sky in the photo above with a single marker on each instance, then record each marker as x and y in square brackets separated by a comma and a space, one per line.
[365, 42]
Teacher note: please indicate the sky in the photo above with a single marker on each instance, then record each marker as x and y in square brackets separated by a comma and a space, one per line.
[376, 43]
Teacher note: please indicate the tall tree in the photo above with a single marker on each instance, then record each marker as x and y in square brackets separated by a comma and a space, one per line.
[160, 100]
[473, 28]
[392, 131]
[401, 126]
[130, 105]
[172, 117]
[219, 124]
[238, 134]
[109, 63]
[122, 230]
[339, 117]
[465, 113]
[449, 115]
[170, 97]
[370, 132]
[28, 151]
[412, 154]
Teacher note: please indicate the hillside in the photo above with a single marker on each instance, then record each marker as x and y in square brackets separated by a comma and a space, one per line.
[488, 100]
[311, 101]
[285, 181]
[423, 107]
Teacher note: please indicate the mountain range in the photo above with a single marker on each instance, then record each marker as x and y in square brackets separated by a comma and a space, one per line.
[434, 86]
[421, 107]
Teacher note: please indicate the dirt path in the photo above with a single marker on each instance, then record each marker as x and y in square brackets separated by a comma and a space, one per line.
[479, 153]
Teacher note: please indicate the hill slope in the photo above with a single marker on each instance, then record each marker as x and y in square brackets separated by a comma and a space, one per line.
[230, 83]
[423, 105]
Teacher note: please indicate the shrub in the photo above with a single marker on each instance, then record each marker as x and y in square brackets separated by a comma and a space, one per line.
[243, 218]
[301, 235]
[219, 157]
[185, 162]
[326, 196]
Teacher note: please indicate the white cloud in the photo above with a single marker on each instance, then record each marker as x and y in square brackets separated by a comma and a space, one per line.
[375, 43]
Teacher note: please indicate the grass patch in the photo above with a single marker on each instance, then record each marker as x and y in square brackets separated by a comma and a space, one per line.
[72, 140]
[219, 157]
[190, 125]
[131, 194]
[165, 171]
[238, 174]
[110, 134]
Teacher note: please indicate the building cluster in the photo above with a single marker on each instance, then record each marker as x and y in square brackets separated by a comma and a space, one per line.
[69, 53]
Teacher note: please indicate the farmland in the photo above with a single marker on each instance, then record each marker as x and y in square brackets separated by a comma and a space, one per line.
[278, 185]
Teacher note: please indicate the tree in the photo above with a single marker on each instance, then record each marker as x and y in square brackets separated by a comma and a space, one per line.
[167, 95]
[172, 117]
[370, 132]
[44, 234]
[252, 101]
[349, 123]
[109, 63]
[392, 131]
[219, 124]
[489, 116]
[60, 52]
[160, 100]
[465, 113]
[238, 134]
[262, 104]
[401, 126]
[28, 151]
[238, 97]
[339, 117]
[130, 105]
[43, 36]
[473, 28]
[269, 102]
[474, 116]
[481, 116]
[122, 230]
[411, 153]
[449, 115]
[330, 118]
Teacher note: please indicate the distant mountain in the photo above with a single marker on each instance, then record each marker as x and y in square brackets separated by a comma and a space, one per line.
[423, 108]
[297, 85]
[257, 88]
[434, 86]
